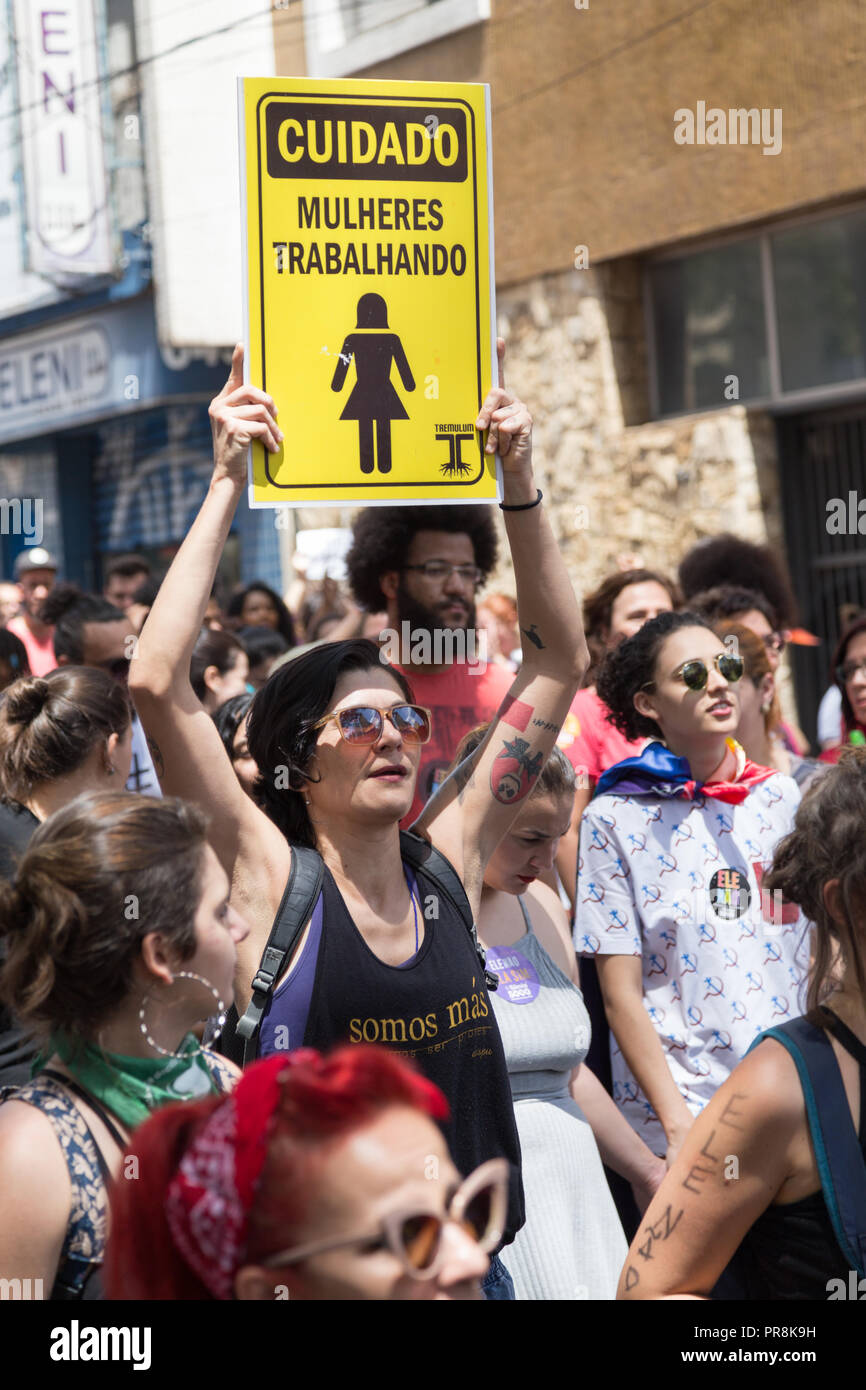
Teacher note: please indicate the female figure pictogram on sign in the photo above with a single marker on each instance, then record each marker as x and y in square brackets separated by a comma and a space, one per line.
[372, 347]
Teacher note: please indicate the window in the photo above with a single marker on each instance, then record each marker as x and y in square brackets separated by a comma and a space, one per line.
[769, 318]
[820, 275]
[344, 36]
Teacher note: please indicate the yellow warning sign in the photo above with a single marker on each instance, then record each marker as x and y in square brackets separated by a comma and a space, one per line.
[367, 214]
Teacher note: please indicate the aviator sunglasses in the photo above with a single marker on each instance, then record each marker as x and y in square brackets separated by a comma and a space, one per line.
[414, 1234]
[363, 724]
[695, 673]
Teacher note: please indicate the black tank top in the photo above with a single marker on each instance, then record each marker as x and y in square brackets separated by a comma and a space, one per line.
[792, 1252]
[434, 1009]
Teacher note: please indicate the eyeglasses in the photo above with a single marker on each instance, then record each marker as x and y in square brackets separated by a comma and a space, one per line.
[363, 724]
[695, 674]
[439, 570]
[851, 668]
[414, 1235]
[774, 641]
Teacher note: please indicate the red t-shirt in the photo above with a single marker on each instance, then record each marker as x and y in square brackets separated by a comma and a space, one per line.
[39, 654]
[459, 700]
[590, 743]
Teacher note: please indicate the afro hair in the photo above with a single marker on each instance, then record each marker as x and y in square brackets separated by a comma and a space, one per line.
[727, 559]
[382, 537]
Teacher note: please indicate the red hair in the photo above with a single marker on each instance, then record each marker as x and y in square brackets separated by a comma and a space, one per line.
[319, 1101]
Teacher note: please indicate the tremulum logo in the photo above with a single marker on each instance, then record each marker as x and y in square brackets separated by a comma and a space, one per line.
[76, 1343]
[22, 516]
[738, 126]
[439, 646]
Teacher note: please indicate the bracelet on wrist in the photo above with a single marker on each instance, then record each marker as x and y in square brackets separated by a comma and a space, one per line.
[521, 506]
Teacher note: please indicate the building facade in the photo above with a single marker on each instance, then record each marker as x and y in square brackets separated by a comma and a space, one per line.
[680, 203]
[103, 394]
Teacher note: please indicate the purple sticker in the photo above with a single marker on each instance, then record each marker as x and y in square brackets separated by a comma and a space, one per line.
[518, 979]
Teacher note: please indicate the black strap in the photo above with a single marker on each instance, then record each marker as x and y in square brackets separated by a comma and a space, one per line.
[834, 1138]
[418, 852]
[99, 1109]
[298, 900]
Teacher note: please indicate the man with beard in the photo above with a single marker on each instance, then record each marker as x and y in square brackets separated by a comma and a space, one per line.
[424, 565]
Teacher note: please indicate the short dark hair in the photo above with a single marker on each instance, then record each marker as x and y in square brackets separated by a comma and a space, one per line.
[630, 666]
[213, 648]
[262, 644]
[14, 653]
[125, 566]
[285, 622]
[278, 732]
[228, 719]
[67, 608]
[727, 601]
[381, 537]
[727, 559]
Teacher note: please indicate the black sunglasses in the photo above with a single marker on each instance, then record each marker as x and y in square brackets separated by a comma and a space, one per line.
[696, 673]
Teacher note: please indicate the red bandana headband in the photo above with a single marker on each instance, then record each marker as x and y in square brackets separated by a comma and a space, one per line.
[208, 1201]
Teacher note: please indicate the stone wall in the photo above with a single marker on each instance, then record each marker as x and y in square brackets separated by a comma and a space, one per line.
[616, 482]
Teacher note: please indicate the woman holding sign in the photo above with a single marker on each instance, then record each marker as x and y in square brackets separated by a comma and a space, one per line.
[386, 955]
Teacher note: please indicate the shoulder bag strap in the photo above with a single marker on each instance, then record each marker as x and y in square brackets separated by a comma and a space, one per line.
[422, 855]
[300, 896]
[837, 1150]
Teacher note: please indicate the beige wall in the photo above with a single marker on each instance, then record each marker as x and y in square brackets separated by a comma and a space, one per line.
[583, 107]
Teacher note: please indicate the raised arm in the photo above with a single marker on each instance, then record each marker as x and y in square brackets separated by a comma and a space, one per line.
[475, 806]
[194, 762]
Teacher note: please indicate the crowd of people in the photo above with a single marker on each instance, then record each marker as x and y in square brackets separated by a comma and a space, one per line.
[400, 975]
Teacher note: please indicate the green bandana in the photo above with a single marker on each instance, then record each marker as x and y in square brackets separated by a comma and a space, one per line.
[131, 1087]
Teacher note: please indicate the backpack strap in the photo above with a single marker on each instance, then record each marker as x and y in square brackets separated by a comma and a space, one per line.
[834, 1138]
[298, 900]
[420, 854]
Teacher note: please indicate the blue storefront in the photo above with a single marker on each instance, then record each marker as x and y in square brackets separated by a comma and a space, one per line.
[110, 434]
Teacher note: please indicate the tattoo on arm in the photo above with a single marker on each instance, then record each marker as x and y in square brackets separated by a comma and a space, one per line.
[699, 1172]
[533, 635]
[545, 724]
[157, 757]
[631, 1278]
[514, 771]
[730, 1111]
[659, 1231]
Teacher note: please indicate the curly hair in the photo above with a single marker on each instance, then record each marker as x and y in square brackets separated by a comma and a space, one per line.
[727, 602]
[827, 842]
[632, 665]
[381, 538]
[727, 559]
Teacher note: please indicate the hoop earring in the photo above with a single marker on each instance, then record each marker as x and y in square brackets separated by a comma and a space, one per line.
[221, 1010]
